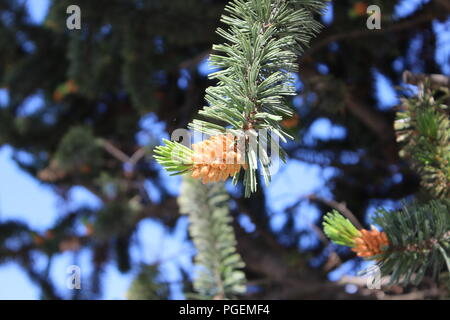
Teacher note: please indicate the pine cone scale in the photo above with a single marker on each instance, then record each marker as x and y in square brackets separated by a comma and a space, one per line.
[370, 243]
[216, 159]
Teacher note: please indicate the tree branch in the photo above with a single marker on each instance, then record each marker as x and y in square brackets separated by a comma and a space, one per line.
[425, 17]
[339, 206]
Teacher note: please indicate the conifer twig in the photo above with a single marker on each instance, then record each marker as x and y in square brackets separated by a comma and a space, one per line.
[255, 64]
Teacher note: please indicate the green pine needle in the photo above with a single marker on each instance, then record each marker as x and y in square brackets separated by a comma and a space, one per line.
[219, 273]
[174, 157]
[419, 236]
[340, 230]
[423, 133]
[262, 42]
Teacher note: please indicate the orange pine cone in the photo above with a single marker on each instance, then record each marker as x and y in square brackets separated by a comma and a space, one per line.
[291, 122]
[72, 87]
[370, 243]
[360, 8]
[216, 159]
[57, 96]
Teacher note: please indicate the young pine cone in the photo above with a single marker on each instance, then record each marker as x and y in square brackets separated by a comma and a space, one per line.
[216, 159]
[370, 243]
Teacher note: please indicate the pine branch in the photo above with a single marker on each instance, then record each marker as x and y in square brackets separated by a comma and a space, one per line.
[417, 240]
[255, 66]
[210, 227]
[423, 132]
[436, 81]
[425, 16]
[146, 286]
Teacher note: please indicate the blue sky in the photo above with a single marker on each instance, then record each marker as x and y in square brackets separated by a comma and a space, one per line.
[22, 197]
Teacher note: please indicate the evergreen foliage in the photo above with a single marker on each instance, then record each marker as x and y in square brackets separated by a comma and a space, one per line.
[219, 275]
[419, 240]
[423, 132]
[419, 237]
[340, 229]
[135, 72]
[418, 233]
[79, 141]
[145, 286]
[255, 65]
